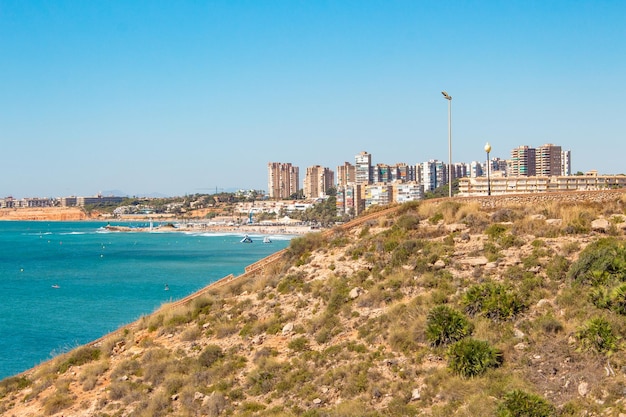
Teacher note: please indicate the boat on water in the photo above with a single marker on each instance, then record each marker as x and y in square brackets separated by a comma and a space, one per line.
[246, 239]
[56, 286]
[267, 239]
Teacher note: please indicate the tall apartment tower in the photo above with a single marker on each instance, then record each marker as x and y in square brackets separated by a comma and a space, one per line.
[346, 174]
[566, 163]
[522, 162]
[402, 172]
[433, 174]
[548, 160]
[363, 168]
[283, 179]
[382, 173]
[317, 181]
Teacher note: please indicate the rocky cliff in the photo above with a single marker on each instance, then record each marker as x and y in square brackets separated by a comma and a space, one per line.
[48, 213]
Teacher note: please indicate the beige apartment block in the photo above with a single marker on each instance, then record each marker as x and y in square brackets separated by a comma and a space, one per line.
[539, 184]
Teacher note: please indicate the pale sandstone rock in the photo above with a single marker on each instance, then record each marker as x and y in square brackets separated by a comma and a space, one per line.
[355, 292]
[415, 394]
[288, 328]
[600, 225]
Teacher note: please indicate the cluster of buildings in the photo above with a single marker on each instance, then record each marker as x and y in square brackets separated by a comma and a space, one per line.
[10, 202]
[362, 184]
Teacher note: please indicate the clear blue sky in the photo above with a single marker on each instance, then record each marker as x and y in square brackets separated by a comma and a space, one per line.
[180, 97]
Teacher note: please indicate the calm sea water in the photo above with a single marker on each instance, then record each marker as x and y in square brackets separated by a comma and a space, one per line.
[64, 284]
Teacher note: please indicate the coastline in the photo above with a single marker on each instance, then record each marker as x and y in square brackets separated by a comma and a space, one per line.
[182, 225]
[202, 228]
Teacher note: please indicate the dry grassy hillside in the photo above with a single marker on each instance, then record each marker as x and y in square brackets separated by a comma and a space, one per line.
[434, 309]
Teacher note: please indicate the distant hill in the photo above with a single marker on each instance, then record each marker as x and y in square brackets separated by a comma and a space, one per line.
[451, 307]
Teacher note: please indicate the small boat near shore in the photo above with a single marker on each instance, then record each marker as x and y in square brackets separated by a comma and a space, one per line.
[246, 239]
[267, 239]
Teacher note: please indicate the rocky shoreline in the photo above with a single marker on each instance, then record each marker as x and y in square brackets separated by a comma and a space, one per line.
[191, 227]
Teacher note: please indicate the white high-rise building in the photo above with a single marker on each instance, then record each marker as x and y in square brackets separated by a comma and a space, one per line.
[566, 163]
[363, 168]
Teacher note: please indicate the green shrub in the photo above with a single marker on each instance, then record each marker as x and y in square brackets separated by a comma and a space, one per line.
[12, 384]
[290, 284]
[56, 402]
[435, 218]
[597, 335]
[470, 357]
[80, 356]
[446, 325]
[600, 262]
[492, 252]
[407, 222]
[617, 299]
[580, 224]
[300, 247]
[600, 297]
[299, 344]
[495, 231]
[557, 268]
[210, 355]
[402, 253]
[518, 403]
[493, 300]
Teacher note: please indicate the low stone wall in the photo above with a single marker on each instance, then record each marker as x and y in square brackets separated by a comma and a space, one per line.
[497, 201]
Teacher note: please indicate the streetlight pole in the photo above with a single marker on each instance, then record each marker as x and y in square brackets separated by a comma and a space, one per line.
[488, 149]
[449, 98]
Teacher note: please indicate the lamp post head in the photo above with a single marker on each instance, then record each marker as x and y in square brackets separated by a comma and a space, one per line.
[487, 147]
[446, 95]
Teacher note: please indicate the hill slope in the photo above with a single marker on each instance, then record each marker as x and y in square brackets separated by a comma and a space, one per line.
[435, 309]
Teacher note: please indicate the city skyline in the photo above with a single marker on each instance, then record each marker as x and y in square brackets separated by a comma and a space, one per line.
[191, 97]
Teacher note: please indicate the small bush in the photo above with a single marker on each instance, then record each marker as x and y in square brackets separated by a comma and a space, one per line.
[617, 299]
[407, 222]
[493, 300]
[435, 218]
[549, 325]
[597, 335]
[495, 231]
[301, 246]
[600, 262]
[557, 268]
[191, 334]
[290, 284]
[12, 384]
[518, 403]
[57, 402]
[446, 325]
[80, 356]
[470, 357]
[210, 355]
[299, 344]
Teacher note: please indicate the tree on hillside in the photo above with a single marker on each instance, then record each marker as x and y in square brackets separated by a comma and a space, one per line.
[323, 213]
[442, 191]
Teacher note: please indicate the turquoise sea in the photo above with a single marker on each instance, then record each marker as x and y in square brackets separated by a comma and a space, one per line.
[64, 284]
